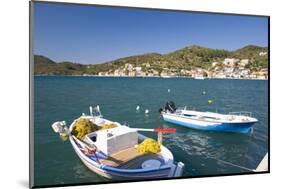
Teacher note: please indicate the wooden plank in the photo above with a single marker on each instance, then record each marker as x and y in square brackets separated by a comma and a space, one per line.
[121, 157]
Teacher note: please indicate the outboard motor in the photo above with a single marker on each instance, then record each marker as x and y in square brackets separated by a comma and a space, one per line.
[170, 106]
[61, 128]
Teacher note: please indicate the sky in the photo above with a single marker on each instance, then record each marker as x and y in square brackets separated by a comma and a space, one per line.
[92, 35]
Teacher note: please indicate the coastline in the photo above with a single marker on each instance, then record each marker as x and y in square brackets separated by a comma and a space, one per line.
[170, 77]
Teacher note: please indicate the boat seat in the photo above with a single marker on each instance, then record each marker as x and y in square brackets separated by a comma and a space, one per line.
[121, 157]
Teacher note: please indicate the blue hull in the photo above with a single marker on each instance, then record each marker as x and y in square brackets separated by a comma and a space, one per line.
[225, 127]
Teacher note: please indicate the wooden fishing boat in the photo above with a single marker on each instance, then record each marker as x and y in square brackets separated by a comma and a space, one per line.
[113, 153]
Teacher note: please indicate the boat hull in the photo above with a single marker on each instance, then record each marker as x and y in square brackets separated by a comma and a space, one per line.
[209, 126]
[124, 174]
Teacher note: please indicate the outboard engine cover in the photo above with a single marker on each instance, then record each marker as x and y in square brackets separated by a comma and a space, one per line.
[60, 127]
[170, 106]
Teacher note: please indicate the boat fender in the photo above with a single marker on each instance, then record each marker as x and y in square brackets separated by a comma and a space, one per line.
[179, 169]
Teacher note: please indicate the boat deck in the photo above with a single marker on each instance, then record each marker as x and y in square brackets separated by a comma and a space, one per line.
[129, 158]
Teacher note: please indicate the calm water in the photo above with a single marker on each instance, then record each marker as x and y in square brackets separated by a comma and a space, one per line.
[65, 98]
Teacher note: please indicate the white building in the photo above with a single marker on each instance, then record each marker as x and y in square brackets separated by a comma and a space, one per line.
[117, 73]
[214, 64]
[131, 74]
[261, 77]
[245, 72]
[244, 61]
[146, 65]
[263, 53]
[138, 69]
[220, 75]
[129, 67]
[229, 61]
[228, 70]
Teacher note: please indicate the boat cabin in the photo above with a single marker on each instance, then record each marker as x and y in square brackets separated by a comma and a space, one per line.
[111, 141]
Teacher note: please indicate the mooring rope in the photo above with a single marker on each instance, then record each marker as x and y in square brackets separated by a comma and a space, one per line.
[234, 165]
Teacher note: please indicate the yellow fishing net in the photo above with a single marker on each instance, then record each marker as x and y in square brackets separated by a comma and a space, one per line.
[108, 126]
[83, 127]
[149, 146]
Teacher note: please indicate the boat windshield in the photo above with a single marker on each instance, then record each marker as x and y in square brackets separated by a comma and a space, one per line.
[207, 117]
[189, 115]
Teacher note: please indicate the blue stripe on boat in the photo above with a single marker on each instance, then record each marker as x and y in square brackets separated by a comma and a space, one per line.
[124, 171]
[134, 171]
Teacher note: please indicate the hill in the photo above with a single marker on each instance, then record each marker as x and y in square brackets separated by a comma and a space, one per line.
[46, 66]
[188, 58]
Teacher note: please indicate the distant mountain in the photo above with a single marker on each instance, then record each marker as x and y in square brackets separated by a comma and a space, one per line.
[249, 51]
[46, 66]
[187, 58]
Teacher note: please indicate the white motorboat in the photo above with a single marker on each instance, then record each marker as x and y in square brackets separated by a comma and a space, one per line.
[233, 122]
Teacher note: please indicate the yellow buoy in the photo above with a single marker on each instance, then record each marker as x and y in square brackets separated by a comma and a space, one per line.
[210, 101]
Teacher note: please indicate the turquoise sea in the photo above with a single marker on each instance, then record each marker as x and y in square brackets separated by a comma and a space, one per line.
[65, 98]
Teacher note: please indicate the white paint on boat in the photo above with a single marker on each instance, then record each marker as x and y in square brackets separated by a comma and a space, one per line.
[233, 122]
[207, 118]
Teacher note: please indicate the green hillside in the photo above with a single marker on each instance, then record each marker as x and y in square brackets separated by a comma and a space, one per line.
[187, 58]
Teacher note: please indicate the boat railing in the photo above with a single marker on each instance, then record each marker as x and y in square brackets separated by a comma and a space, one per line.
[95, 111]
[241, 113]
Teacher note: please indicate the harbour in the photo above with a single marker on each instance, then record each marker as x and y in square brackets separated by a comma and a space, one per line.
[118, 99]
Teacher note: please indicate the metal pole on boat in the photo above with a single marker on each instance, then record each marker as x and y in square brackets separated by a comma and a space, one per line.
[98, 109]
[141, 129]
[160, 132]
[160, 138]
[163, 130]
[91, 110]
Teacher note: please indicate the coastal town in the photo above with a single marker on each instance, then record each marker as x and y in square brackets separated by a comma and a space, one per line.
[249, 62]
[228, 68]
